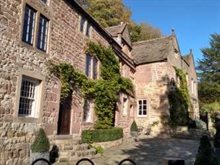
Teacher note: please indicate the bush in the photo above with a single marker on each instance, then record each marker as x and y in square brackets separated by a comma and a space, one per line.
[206, 154]
[98, 149]
[41, 142]
[134, 127]
[101, 135]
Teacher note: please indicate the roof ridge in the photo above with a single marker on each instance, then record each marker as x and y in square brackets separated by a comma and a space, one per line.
[154, 39]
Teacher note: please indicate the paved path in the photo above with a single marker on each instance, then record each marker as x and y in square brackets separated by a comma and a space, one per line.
[150, 151]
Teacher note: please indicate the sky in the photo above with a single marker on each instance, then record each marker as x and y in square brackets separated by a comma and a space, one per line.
[193, 20]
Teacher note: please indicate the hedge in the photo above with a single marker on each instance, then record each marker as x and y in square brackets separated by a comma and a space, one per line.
[102, 135]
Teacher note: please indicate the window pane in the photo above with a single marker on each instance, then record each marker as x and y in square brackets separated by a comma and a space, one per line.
[140, 102]
[95, 68]
[144, 101]
[87, 111]
[82, 22]
[27, 97]
[28, 26]
[88, 30]
[88, 64]
[44, 1]
[42, 33]
[144, 112]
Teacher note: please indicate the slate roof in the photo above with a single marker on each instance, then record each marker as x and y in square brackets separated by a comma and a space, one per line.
[154, 50]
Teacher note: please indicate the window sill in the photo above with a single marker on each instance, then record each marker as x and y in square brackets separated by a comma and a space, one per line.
[141, 116]
[26, 119]
[31, 47]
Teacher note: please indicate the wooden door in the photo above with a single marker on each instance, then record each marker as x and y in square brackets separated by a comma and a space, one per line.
[64, 117]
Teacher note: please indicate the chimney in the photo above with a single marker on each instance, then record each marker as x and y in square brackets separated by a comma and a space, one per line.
[173, 31]
[190, 51]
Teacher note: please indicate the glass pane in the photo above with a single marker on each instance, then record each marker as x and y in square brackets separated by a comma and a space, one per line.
[88, 64]
[28, 26]
[42, 33]
[82, 22]
[88, 30]
[144, 101]
[95, 68]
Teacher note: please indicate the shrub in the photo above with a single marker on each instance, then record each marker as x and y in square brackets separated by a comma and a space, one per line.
[205, 154]
[99, 149]
[41, 142]
[101, 135]
[134, 127]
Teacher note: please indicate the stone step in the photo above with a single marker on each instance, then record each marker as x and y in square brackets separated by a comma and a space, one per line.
[81, 147]
[85, 153]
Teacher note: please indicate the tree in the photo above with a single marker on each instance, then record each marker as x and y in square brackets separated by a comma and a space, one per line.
[112, 12]
[209, 77]
[109, 12]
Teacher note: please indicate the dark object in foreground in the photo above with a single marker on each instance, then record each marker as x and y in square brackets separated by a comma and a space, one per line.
[176, 162]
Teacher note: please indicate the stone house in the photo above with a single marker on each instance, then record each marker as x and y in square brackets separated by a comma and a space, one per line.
[32, 33]
[155, 76]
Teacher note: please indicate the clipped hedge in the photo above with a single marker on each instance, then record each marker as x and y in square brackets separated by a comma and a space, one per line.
[102, 135]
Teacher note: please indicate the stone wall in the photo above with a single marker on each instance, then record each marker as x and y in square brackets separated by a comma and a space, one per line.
[152, 84]
[19, 59]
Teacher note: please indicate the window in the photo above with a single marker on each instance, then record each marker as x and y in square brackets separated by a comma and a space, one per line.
[42, 33]
[29, 24]
[88, 29]
[88, 107]
[44, 1]
[29, 35]
[88, 64]
[125, 106]
[142, 107]
[95, 68]
[85, 27]
[91, 66]
[82, 24]
[28, 97]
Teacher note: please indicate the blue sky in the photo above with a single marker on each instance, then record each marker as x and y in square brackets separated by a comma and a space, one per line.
[193, 20]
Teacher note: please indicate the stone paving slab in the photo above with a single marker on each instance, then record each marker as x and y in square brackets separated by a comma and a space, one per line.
[150, 151]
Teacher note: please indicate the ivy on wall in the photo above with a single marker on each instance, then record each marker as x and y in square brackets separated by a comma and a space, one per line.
[105, 91]
[179, 101]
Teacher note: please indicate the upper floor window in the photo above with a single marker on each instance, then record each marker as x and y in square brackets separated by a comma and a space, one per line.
[29, 35]
[28, 97]
[85, 27]
[125, 105]
[91, 66]
[42, 33]
[29, 24]
[142, 107]
[44, 1]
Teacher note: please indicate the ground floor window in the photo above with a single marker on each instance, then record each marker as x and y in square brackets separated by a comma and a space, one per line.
[29, 95]
[142, 107]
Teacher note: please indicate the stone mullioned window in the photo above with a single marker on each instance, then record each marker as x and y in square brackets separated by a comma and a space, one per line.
[37, 38]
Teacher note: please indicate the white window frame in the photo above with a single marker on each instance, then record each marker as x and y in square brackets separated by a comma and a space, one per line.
[86, 25]
[89, 118]
[91, 67]
[36, 103]
[141, 115]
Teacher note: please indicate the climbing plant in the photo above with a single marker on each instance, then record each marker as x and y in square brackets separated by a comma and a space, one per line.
[179, 101]
[104, 91]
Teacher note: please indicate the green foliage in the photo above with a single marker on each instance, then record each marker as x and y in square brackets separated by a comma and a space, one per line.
[101, 135]
[109, 12]
[206, 154]
[179, 101]
[99, 149]
[113, 12]
[104, 91]
[41, 142]
[134, 127]
[144, 31]
[209, 76]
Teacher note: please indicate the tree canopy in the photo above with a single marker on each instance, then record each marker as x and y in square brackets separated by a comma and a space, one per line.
[113, 12]
[209, 73]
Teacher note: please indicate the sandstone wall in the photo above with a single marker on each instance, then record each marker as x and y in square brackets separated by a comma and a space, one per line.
[152, 85]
